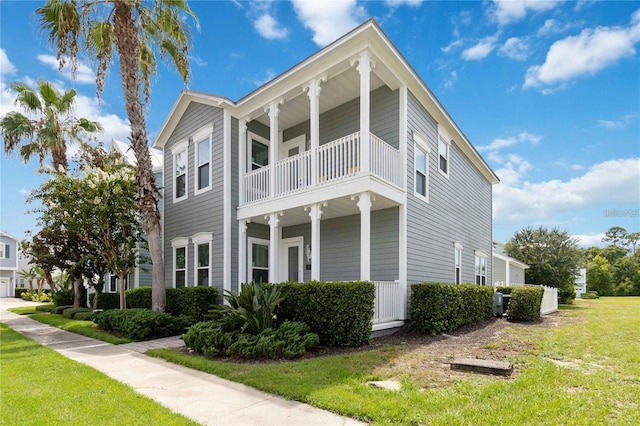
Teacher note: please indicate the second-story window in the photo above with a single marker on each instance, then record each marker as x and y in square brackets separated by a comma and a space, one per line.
[443, 156]
[180, 162]
[421, 164]
[203, 173]
[258, 151]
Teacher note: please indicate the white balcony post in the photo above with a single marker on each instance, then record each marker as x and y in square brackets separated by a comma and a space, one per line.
[364, 204]
[315, 213]
[364, 68]
[242, 252]
[313, 91]
[274, 243]
[274, 110]
[242, 158]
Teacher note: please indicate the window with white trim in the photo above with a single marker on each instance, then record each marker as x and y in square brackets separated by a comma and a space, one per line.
[258, 151]
[259, 260]
[458, 263]
[4, 251]
[180, 161]
[481, 268]
[421, 153]
[202, 263]
[202, 165]
[179, 246]
[443, 156]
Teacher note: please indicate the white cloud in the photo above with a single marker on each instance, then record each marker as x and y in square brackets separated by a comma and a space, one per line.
[624, 121]
[452, 79]
[328, 19]
[510, 11]
[515, 48]
[587, 53]
[590, 240]
[397, 3]
[6, 67]
[84, 73]
[481, 50]
[615, 181]
[499, 143]
[454, 44]
[198, 61]
[269, 28]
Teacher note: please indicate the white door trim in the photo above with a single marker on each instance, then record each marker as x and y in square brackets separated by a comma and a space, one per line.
[250, 242]
[298, 141]
[285, 243]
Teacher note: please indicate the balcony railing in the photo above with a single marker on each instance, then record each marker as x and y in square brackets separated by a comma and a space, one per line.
[335, 161]
[388, 302]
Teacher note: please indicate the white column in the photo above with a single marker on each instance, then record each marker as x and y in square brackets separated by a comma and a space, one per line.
[242, 252]
[273, 109]
[364, 204]
[313, 91]
[274, 243]
[315, 213]
[242, 157]
[364, 68]
[226, 217]
[507, 273]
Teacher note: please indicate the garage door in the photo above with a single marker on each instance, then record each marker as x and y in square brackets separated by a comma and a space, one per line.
[4, 287]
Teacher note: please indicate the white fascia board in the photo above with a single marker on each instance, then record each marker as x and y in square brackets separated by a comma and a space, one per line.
[510, 260]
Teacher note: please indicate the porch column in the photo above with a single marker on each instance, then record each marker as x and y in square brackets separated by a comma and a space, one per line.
[242, 252]
[273, 109]
[313, 91]
[315, 213]
[274, 243]
[242, 157]
[364, 204]
[507, 273]
[364, 68]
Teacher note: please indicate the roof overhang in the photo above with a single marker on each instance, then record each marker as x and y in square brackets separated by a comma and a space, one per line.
[510, 260]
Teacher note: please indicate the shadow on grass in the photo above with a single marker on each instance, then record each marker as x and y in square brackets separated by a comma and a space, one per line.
[572, 308]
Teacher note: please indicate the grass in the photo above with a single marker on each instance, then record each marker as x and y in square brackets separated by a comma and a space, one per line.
[85, 328]
[586, 371]
[24, 310]
[42, 387]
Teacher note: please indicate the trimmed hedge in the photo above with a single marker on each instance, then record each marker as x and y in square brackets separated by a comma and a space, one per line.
[290, 340]
[45, 308]
[106, 300]
[503, 289]
[140, 324]
[84, 316]
[19, 291]
[60, 309]
[590, 295]
[340, 313]
[193, 302]
[525, 303]
[436, 308]
[71, 312]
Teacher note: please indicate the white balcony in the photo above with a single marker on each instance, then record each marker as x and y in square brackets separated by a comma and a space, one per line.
[335, 161]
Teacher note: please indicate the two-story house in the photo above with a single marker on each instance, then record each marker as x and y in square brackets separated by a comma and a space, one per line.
[344, 167]
[8, 264]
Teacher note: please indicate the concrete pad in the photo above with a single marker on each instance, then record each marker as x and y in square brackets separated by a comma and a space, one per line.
[483, 366]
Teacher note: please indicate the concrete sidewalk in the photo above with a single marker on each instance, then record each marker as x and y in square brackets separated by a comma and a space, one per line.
[202, 397]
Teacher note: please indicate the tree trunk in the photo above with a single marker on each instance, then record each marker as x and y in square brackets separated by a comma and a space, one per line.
[59, 157]
[77, 282]
[128, 45]
[123, 290]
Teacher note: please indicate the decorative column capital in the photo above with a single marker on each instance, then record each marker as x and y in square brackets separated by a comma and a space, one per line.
[273, 109]
[315, 210]
[313, 88]
[365, 200]
[243, 225]
[274, 218]
[242, 124]
[365, 63]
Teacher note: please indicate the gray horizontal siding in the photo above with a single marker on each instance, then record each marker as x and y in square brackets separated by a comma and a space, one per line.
[459, 209]
[499, 270]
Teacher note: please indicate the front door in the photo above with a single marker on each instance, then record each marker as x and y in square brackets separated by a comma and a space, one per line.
[291, 259]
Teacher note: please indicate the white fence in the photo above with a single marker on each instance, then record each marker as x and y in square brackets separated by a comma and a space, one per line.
[335, 161]
[549, 298]
[388, 302]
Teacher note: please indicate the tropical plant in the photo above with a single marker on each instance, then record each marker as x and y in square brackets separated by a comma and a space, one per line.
[134, 30]
[29, 275]
[51, 127]
[252, 310]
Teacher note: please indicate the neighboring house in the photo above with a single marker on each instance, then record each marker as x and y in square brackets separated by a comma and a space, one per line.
[580, 283]
[8, 264]
[345, 167]
[141, 276]
[506, 270]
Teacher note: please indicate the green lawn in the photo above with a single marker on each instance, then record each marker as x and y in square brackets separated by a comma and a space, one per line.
[585, 371]
[41, 387]
[85, 328]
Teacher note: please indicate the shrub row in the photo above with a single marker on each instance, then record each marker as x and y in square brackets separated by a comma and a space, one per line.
[34, 296]
[45, 308]
[503, 289]
[525, 303]
[140, 324]
[188, 301]
[72, 312]
[290, 340]
[339, 313]
[436, 308]
[590, 295]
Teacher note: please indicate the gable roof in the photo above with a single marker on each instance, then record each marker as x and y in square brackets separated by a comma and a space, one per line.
[392, 66]
[7, 235]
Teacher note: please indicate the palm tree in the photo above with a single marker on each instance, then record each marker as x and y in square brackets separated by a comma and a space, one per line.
[29, 275]
[52, 127]
[137, 29]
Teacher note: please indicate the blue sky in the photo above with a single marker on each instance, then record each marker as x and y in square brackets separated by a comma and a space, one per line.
[549, 92]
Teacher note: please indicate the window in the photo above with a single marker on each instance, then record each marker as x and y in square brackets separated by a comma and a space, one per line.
[114, 283]
[458, 263]
[421, 153]
[443, 156]
[481, 268]
[203, 165]
[179, 261]
[180, 171]
[258, 151]
[259, 260]
[21, 282]
[4, 251]
[202, 246]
